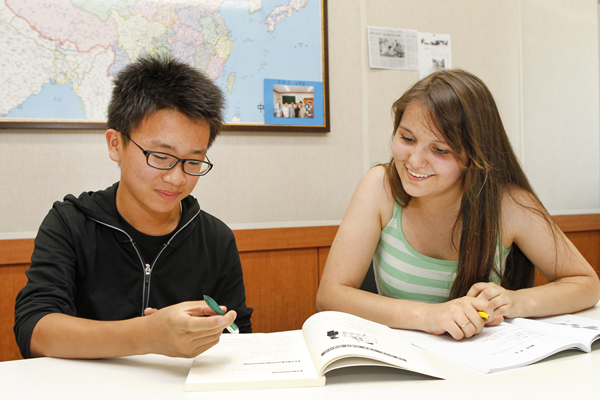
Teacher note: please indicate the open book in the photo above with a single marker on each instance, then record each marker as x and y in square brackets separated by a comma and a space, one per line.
[328, 340]
[514, 343]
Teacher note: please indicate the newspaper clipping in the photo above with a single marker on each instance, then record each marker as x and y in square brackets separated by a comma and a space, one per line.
[434, 53]
[393, 48]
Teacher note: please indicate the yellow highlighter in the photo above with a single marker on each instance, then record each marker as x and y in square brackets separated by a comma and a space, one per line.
[483, 314]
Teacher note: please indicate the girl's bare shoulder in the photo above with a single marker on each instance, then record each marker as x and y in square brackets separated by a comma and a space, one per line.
[374, 188]
[521, 211]
[518, 202]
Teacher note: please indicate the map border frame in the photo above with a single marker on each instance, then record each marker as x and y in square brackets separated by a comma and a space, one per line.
[255, 127]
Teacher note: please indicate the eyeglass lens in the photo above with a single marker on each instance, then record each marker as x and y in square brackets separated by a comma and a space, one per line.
[165, 161]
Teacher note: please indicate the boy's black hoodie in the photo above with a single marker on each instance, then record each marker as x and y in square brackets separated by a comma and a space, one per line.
[88, 262]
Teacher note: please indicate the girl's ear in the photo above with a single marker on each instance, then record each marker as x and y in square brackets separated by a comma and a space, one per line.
[114, 143]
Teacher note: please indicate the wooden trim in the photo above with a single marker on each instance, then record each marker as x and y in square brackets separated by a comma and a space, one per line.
[18, 251]
[284, 238]
[578, 223]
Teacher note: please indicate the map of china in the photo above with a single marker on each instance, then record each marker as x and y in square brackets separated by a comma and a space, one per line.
[79, 46]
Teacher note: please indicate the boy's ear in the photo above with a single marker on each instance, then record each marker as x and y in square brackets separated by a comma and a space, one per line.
[114, 142]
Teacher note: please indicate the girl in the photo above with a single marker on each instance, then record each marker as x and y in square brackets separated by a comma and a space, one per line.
[451, 224]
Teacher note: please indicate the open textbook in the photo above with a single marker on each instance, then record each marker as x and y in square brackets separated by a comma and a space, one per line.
[328, 340]
[514, 343]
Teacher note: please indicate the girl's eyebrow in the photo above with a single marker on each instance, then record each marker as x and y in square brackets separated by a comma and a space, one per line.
[404, 128]
[438, 140]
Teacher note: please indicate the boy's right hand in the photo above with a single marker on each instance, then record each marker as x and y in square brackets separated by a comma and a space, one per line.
[184, 330]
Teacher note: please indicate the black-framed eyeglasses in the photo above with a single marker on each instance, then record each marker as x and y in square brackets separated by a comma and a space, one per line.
[165, 161]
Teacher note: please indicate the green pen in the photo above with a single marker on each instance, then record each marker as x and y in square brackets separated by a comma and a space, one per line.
[233, 328]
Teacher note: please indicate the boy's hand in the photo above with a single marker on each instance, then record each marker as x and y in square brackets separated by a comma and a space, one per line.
[185, 329]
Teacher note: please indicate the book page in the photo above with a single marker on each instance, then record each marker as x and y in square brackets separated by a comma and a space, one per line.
[572, 328]
[496, 348]
[254, 361]
[337, 340]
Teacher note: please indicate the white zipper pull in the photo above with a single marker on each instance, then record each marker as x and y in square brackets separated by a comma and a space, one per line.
[147, 270]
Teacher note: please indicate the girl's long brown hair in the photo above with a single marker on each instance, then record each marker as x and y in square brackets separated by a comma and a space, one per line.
[460, 107]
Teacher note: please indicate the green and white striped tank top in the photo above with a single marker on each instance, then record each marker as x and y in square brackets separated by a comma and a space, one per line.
[401, 272]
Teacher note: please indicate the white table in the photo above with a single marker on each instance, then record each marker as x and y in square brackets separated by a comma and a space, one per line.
[569, 375]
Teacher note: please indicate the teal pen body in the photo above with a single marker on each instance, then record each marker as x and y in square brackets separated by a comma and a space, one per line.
[233, 328]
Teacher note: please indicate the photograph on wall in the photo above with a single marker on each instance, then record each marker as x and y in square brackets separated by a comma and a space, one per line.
[60, 58]
[435, 53]
[393, 48]
[291, 102]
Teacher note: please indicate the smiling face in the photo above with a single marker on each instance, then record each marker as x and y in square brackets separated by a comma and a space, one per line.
[149, 198]
[425, 162]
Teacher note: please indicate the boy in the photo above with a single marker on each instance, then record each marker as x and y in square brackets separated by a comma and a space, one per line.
[120, 271]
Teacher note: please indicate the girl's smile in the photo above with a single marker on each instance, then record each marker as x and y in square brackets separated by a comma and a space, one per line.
[425, 163]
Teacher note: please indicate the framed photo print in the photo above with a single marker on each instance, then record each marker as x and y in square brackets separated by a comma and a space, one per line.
[289, 103]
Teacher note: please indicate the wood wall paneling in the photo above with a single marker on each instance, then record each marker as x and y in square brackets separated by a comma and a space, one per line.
[323, 253]
[12, 279]
[17, 251]
[282, 268]
[588, 244]
[281, 286]
[587, 241]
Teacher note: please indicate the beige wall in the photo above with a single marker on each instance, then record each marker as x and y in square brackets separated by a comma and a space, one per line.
[539, 58]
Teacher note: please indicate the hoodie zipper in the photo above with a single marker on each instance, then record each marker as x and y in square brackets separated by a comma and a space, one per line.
[147, 273]
[147, 268]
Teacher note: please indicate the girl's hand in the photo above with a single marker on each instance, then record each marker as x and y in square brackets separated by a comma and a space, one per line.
[459, 317]
[504, 302]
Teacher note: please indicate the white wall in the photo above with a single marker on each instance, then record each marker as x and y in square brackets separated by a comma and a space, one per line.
[539, 58]
[560, 101]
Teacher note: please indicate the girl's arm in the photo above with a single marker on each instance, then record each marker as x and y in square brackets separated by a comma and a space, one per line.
[351, 253]
[574, 284]
[352, 250]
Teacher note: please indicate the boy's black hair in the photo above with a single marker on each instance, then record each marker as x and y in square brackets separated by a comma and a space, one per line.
[160, 82]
